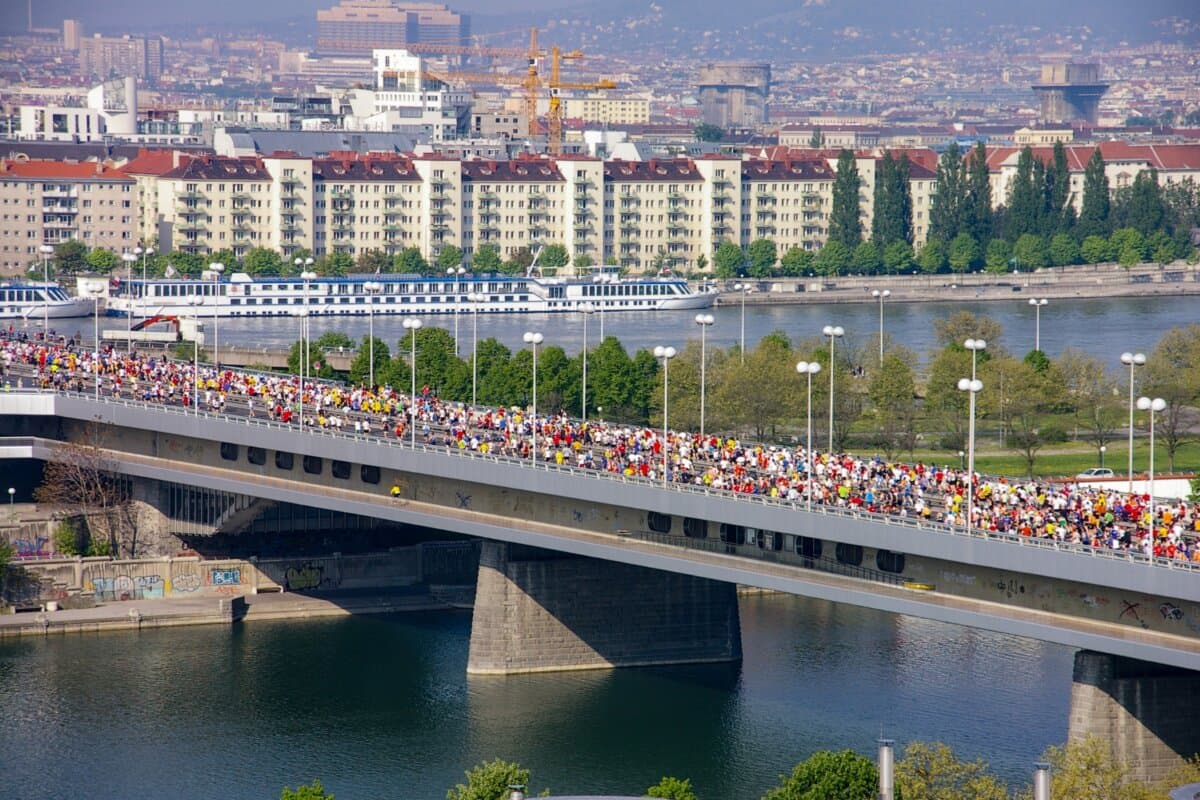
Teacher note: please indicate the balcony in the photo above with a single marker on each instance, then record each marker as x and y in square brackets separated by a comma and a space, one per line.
[193, 227]
[393, 226]
[630, 201]
[240, 196]
[342, 224]
[192, 195]
[440, 196]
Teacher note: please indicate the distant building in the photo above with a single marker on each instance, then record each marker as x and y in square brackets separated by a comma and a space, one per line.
[110, 111]
[1070, 92]
[1039, 136]
[356, 27]
[853, 137]
[106, 57]
[734, 95]
[72, 34]
[609, 110]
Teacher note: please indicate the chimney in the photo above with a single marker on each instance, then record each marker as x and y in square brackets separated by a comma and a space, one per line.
[1041, 780]
[887, 769]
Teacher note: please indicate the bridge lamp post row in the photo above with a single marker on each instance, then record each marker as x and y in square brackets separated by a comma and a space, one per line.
[534, 339]
[974, 345]
[129, 259]
[665, 354]
[1132, 360]
[881, 296]
[216, 269]
[1154, 406]
[704, 321]
[306, 276]
[195, 301]
[973, 387]
[587, 309]
[808, 369]
[46, 251]
[412, 325]
[372, 288]
[455, 274]
[834, 332]
[475, 298]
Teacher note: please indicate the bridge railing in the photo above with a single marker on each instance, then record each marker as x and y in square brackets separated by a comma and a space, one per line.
[405, 443]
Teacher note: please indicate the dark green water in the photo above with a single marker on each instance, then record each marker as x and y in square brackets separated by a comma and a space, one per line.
[381, 707]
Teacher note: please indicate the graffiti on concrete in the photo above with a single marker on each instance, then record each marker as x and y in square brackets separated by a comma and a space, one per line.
[225, 576]
[464, 500]
[122, 587]
[185, 583]
[31, 548]
[1170, 611]
[307, 576]
[1132, 610]
[150, 587]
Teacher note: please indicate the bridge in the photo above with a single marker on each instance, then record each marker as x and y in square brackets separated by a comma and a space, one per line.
[582, 569]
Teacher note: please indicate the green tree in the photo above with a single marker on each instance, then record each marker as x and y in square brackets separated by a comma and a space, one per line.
[892, 220]
[964, 253]
[1095, 249]
[70, 257]
[933, 772]
[335, 265]
[1094, 213]
[102, 261]
[826, 775]
[728, 260]
[845, 221]
[999, 253]
[1093, 396]
[1060, 211]
[817, 140]
[1030, 251]
[554, 256]
[955, 329]
[769, 368]
[490, 781]
[796, 262]
[360, 366]
[1064, 250]
[977, 209]
[762, 257]
[409, 261]
[947, 212]
[1173, 373]
[833, 259]
[486, 260]
[583, 261]
[1024, 199]
[866, 258]
[313, 791]
[373, 262]
[672, 789]
[1141, 206]
[892, 392]
[708, 133]
[933, 256]
[262, 261]
[449, 257]
[898, 257]
[1088, 770]
[1129, 246]
[1030, 394]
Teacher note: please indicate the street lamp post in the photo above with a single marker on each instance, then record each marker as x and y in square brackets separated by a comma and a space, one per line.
[834, 332]
[194, 301]
[1103, 450]
[587, 309]
[372, 288]
[665, 354]
[455, 274]
[12, 514]
[1133, 360]
[1154, 406]
[306, 276]
[46, 251]
[704, 321]
[880, 296]
[534, 339]
[149, 251]
[216, 269]
[412, 325]
[973, 387]
[129, 259]
[475, 298]
[95, 293]
[1037, 303]
[808, 369]
[974, 345]
[743, 288]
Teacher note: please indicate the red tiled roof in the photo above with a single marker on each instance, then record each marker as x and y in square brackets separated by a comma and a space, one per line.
[521, 170]
[35, 170]
[787, 169]
[364, 169]
[152, 162]
[217, 168]
[619, 171]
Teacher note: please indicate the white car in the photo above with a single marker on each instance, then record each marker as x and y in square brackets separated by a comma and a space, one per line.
[1095, 472]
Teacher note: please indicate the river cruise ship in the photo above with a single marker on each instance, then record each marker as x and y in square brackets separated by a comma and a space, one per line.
[38, 301]
[243, 296]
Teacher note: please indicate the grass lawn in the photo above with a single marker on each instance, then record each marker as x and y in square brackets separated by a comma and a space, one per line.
[1071, 458]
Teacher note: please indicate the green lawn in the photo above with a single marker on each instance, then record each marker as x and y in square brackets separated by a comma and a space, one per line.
[1071, 458]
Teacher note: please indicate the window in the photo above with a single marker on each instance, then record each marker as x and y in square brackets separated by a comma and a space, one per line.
[888, 561]
[256, 455]
[770, 540]
[658, 522]
[808, 547]
[369, 473]
[851, 554]
[229, 451]
[733, 534]
[341, 469]
[313, 465]
[695, 528]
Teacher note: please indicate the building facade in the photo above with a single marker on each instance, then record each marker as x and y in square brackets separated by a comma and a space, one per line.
[356, 27]
[107, 57]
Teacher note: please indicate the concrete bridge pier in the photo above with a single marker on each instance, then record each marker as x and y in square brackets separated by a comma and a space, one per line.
[1148, 713]
[539, 611]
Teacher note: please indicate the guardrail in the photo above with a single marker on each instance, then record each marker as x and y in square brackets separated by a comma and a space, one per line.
[689, 489]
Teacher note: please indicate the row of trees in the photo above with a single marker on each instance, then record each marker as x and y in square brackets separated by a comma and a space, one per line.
[1029, 402]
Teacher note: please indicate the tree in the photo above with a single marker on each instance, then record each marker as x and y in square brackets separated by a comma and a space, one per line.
[866, 258]
[796, 262]
[947, 210]
[1030, 394]
[1095, 249]
[977, 209]
[554, 256]
[1094, 212]
[1024, 199]
[964, 253]
[825, 775]
[845, 222]
[708, 133]
[892, 220]
[410, 262]
[1129, 246]
[892, 393]
[70, 257]
[313, 791]
[999, 253]
[933, 256]
[898, 257]
[728, 260]
[486, 260]
[672, 789]
[1172, 373]
[1030, 251]
[955, 329]
[335, 265]
[1141, 206]
[1093, 396]
[490, 781]
[1060, 212]
[373, 262]
[101, 260]
[932, 772]
[817, 140]
[262, 261]
[360, 367]
[1087, 770]
[762, 256]
[449, 257]
[769, 368]
[834, 258]
[1064, 250]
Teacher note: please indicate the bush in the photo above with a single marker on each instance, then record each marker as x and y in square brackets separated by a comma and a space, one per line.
[1052, 434]
[69, 538]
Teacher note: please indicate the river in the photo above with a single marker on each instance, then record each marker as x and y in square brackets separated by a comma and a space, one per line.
[381, 707]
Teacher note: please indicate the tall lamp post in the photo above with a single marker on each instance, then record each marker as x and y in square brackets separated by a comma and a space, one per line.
[1037, 303]
[880, 296]
[808, 369]
[145, 252]
[12, 514]
[1133, 360]
[974, 345]
[534, 339]
[665, 354]
[1103, 450]
[587, 309]
[743, 288]
[372, 288]
[455, 274]
[475, 299]
[95, 294]
[412, 325]
[129, 259]
[216, 269]
[1154, 406]
[834, 332]
[973, 387]
[46, 251]
[195, 301]
[704, 321]
[307, 276]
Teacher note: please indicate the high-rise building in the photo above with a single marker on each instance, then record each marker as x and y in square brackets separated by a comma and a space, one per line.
[72, 34]
[1070, 92]
[107, 57]
[356, 27]
[734, 95]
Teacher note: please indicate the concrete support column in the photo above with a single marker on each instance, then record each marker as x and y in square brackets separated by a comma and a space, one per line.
[537, 611]
[1147, 712]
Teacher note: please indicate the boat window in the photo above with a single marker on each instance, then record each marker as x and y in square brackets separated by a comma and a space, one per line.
[369, 473]
[313, 465]
[229, 451]
[284, 460]
[341, 469]
[256, 455]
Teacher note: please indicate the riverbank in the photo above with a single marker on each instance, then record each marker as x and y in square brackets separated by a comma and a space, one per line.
[1056, 283]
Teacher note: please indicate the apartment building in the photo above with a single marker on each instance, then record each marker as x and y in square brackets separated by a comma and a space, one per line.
[50, 202]
[209, 203]
[609, 110]
[367, 204]
[105, 57]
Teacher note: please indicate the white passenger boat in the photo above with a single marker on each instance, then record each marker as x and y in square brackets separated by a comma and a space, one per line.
[37, 301]
[243, 296]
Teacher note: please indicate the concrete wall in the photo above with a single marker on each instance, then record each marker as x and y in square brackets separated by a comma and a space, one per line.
[1149, 714]
[540, 612]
